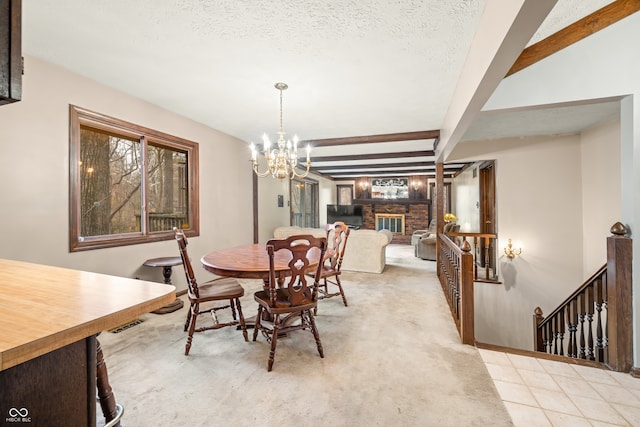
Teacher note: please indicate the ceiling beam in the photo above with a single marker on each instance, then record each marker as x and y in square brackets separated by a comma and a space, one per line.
[447, 174]
[390, 137]
[373, 156]
[590, 24]
[415, 165]
[505, 28]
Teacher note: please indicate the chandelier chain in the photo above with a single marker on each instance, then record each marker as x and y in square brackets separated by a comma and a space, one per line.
[281, 128]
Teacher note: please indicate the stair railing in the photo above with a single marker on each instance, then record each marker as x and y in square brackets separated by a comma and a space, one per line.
[483, 248]
[456, 279]
[595, 321]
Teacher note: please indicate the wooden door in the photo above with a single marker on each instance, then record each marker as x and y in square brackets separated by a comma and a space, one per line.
[488, 212]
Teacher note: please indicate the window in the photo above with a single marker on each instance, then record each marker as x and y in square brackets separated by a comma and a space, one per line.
[128, 184]
[304, 203]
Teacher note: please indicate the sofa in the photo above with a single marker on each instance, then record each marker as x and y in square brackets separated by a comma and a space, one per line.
[365, 252]
[425, 248]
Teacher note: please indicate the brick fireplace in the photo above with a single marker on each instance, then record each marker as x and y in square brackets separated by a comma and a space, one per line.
[416, 217]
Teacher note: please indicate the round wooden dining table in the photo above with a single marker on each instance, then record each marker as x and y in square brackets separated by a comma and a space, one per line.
[252, 262]
[249, 262]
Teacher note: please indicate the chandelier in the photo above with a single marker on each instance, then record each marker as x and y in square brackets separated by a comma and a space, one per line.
[282, 160]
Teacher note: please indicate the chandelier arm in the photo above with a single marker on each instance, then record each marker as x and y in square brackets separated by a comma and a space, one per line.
[304, 174]
[261, 174]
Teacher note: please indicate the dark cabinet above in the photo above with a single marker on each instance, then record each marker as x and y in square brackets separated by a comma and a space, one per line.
[10, 51]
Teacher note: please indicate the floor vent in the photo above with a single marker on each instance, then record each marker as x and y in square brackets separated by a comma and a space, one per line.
[126, 326]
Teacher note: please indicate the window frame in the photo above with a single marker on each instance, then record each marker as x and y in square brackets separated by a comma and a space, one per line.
[81, 117]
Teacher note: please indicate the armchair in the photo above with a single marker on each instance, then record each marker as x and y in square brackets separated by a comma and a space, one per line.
[419, 234]
[426, 246]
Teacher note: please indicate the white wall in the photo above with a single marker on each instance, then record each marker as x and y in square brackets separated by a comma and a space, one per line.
[35, 177]
[601, 192]
[539, 203]
[270, 216]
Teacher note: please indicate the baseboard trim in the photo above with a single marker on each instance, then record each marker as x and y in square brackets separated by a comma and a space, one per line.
[541, 355]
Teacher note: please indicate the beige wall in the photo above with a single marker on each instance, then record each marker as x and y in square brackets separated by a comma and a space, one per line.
[602, 199]
[35, 177]
[270, 216]
[541, 199]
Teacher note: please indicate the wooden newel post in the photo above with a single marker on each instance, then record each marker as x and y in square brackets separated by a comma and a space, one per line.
[619, 304]
[467, 332]
[538, 318]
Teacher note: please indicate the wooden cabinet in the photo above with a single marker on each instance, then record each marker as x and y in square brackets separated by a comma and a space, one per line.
[10, 51]
[57, 388]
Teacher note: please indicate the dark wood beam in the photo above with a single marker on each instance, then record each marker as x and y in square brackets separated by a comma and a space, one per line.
[415, 165]
[356, 170]
[447, 174]
[373, 156]
[391, 137]
[601, 18]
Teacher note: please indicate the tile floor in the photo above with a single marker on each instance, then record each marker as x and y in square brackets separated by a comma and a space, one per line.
[540, 392]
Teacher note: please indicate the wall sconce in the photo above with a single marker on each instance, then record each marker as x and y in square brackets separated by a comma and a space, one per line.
[512, 252]
[415, 185]
[364, 185]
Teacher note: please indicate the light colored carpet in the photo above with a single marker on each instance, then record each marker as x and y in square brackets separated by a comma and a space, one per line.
[392, 358]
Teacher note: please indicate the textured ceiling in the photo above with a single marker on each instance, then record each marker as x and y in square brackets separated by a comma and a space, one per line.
[354, 67]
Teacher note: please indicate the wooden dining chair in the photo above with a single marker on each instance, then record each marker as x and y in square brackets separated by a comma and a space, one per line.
[288, 306]
[337, 234]
[222, 289]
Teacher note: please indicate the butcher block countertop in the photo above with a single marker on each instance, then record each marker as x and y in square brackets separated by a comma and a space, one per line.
[44, 308]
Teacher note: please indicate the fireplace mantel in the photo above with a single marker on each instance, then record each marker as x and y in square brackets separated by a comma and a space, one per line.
[406, 202]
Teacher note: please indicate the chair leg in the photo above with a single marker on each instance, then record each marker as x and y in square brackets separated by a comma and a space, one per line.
[243, 326]
[257, 325]
[323, 288]
[316, 335]
[186, 324]
[195, 308]
[233, 308]
[274, 341]
[339, 284]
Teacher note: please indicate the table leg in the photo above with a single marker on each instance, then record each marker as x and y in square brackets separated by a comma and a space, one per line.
[177, 304]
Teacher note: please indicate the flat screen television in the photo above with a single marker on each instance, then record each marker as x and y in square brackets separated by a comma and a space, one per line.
[349, 214]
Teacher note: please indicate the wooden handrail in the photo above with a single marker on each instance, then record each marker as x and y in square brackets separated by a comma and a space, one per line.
[455, 265]
[597, 317]
[466, 234]
[488, 260]
[574, 295]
